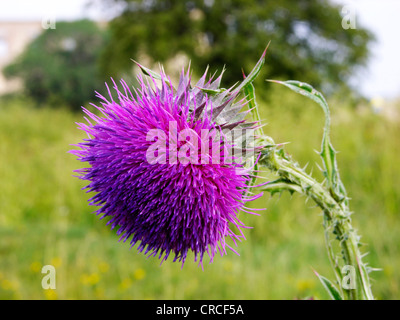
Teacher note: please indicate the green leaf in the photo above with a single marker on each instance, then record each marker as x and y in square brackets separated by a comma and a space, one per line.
[151, 73]
[280, 185]
[328, 153]
[250, 96]
[365, 280]
[254, 73]
[212, 91]
[330, 287]
[249, 92]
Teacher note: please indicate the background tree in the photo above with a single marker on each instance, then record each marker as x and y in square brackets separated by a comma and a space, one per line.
[60, 66]
[308, 42]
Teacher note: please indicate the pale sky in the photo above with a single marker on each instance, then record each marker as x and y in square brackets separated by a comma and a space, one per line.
[382, 17]
[381, 79]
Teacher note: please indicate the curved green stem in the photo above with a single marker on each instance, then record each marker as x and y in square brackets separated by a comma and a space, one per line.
[337, 222]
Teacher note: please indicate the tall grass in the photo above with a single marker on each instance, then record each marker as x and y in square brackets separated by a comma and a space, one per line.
[44, 217]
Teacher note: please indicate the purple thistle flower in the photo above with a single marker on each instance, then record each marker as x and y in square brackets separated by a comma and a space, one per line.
[170, 205]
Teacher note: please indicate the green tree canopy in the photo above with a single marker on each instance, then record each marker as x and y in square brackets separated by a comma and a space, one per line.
[60, 65]
[308, 42]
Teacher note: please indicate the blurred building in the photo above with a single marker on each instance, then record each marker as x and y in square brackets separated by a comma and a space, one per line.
[14, 37]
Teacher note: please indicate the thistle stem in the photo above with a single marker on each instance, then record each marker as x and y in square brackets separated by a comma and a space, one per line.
[337, 222]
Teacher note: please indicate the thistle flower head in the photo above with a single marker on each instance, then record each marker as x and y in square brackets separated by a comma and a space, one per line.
[162, 169]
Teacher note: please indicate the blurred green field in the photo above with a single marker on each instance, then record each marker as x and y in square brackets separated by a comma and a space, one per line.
[45, 219]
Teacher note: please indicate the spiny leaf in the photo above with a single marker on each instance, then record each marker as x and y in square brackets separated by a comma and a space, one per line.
[365, 280]
[280, 185]
[330, 287]
[250, 94]
[151, 73]
[252, 105]
[328, 153]
[212, 91]
[254, 73]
